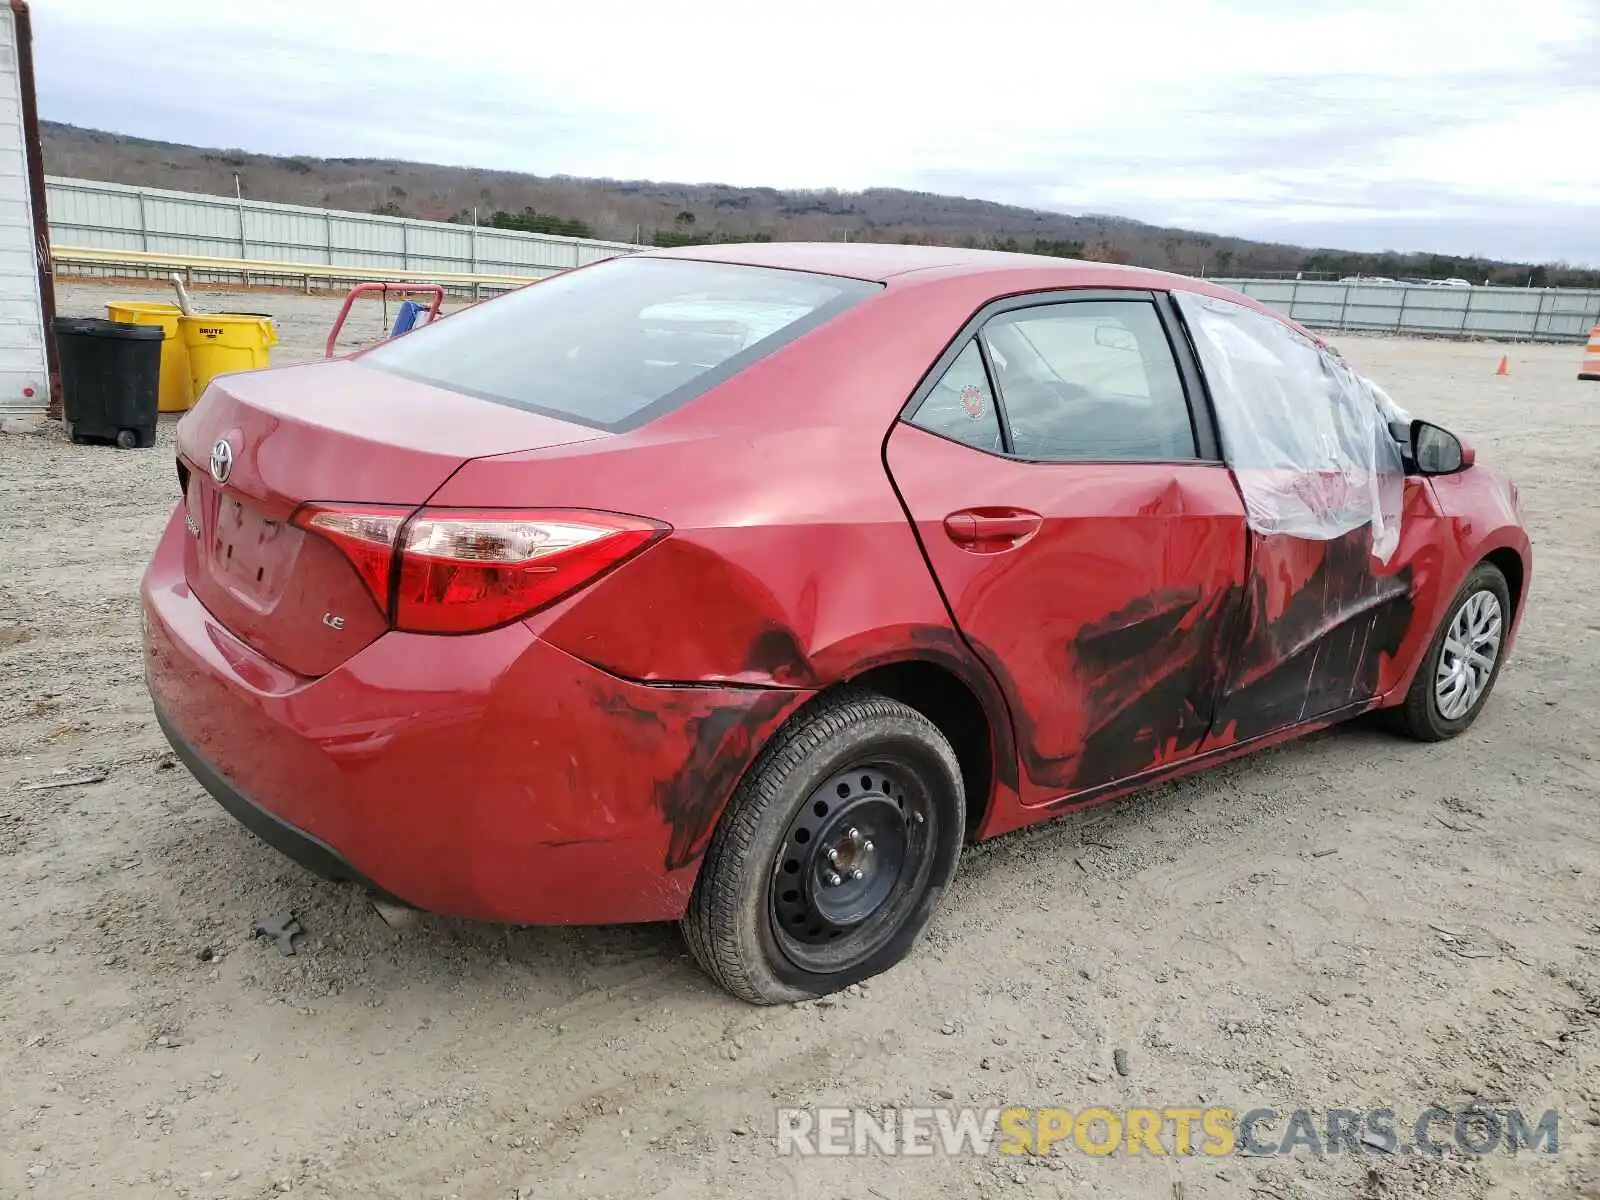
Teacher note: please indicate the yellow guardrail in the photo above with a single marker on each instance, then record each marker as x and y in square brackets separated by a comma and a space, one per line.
[91, 256]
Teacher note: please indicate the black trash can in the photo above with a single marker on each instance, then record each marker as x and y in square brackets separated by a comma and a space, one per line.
[110, 380]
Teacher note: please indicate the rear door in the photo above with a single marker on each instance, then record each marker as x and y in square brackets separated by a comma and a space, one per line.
[1065, 484]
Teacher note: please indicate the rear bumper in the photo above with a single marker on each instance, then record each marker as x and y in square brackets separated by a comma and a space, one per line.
[492, 776]
[315, 856]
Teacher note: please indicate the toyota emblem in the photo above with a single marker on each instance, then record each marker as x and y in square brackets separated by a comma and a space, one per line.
[221, 460]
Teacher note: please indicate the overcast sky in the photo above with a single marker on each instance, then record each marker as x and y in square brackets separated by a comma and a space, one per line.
[1461, 126]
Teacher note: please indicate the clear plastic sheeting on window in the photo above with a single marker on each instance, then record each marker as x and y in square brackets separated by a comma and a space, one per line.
[1392, 412]
[1307, 437]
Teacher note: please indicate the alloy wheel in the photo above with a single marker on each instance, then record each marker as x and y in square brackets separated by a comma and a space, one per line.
[1467, 659]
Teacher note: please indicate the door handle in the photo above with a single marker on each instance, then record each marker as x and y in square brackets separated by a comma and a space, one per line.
[977, 526]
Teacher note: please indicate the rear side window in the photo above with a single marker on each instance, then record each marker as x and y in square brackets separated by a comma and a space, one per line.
[1090, 381]
[615, 345]
[961, 406]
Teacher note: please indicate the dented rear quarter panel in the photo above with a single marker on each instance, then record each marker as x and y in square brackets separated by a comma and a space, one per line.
[492, 777]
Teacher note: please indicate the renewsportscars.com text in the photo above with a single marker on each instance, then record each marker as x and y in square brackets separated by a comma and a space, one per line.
[1169, 1130]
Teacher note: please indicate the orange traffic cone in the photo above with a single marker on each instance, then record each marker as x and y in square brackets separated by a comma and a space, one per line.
[1591, 357]
[1505, 365]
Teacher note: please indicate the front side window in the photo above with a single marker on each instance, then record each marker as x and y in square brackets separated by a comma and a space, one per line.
[1090, 381]
[961, 405]
[617, 344]
[1308, 438]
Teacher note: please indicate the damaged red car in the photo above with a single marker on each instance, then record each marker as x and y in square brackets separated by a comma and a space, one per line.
[743, 585]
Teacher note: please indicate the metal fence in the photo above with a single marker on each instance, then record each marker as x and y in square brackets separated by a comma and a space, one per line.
[1499, 313]
[109, 216]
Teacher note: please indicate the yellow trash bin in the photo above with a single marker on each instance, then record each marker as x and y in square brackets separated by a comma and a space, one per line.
[176, 392]
[219, 343]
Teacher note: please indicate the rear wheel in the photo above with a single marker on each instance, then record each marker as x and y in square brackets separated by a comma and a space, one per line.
[833, 855]
[1462, 663]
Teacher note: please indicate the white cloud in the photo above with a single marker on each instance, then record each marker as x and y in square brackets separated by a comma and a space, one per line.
[1446, 121]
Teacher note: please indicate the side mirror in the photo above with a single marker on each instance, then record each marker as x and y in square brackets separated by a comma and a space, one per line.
[1437, 451]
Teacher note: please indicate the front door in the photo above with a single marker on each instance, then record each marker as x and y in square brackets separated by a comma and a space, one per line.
[1089, 543]
[1329, 596]
[1320, 619]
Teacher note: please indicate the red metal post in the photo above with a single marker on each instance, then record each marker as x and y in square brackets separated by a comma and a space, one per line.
[383, 289]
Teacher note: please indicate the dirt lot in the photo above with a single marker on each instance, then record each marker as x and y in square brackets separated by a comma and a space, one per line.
[1349, 921]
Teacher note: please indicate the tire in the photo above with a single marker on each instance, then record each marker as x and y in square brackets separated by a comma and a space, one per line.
[773, 919]
[1421, 716]
[127, 439]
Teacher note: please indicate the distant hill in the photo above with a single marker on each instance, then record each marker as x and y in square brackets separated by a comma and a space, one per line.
[679, 213]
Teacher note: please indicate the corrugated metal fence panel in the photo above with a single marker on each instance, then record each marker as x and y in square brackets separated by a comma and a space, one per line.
[1570, 315]
[116, 217]
[508, 254]
[444, 247]
[1528, 314]
[101, 219]
[177, 227]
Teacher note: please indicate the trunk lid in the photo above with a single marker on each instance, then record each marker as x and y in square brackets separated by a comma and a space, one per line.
[330, 432]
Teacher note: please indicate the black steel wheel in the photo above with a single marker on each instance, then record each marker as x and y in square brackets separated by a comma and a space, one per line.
[850, 851]
[834, 853]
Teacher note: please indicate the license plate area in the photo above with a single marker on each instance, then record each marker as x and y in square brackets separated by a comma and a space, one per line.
[251, 553]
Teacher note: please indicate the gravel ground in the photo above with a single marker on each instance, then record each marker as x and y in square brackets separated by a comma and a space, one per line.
[1348, 921]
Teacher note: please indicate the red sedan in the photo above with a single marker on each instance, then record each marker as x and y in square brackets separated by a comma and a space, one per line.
[744, 585]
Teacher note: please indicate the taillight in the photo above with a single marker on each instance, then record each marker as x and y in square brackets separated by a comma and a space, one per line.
[365, 534]
[461, 571]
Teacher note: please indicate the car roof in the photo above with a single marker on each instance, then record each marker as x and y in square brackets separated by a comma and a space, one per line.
[985, 274]
[881, 262]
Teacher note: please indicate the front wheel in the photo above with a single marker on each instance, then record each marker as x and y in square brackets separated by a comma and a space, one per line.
[1463, 661]
[834, 852]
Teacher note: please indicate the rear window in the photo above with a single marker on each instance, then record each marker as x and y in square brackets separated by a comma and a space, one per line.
[615, 345]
